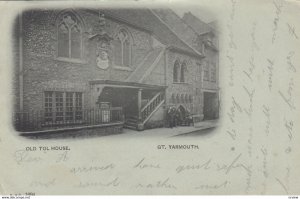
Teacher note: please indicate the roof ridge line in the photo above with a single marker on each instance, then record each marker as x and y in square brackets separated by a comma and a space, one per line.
[210, 30]
[153, 65]
[140, 64]
[197, 52]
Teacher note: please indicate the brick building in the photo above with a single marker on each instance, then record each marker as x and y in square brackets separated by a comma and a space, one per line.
[89, 67]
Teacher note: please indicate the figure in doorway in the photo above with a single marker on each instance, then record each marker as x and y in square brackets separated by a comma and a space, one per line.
[171, 116]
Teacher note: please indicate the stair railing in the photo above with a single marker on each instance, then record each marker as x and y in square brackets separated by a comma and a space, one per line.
[151, 105]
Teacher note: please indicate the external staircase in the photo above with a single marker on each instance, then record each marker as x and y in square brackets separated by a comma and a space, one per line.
[152, 104]
[136, 123]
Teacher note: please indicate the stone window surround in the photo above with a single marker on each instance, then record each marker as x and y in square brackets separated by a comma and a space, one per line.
[130, 40]
[82, 60]
[179, 72]
[80, 23]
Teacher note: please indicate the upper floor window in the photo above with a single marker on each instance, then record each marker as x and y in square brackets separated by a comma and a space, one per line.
[206, 71]
[176, 71]
[69, 36]
[179, 72]
[122, 48]
[182, 72]
[213, 72]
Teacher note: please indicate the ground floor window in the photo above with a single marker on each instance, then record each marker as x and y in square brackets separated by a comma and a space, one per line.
[63, 106]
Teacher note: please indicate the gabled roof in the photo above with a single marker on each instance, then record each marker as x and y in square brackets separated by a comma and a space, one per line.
[145, 19]
[196, 24]
[144, 65]
[183, 30]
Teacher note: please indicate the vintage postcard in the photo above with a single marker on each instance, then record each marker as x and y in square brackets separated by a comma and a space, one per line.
[150, 98]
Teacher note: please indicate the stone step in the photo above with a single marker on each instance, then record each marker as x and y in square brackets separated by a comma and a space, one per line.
[130, 127]
[132, 123]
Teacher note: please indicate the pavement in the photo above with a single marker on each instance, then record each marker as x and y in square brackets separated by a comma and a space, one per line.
[200, 128]
[197, 129]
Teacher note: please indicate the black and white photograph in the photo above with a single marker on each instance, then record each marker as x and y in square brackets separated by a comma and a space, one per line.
[99, 71]
[149, 98]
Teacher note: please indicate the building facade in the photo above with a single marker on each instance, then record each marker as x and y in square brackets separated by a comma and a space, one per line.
[89, 67]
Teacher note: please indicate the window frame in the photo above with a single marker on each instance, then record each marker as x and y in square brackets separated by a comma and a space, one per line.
[64, 115]
[128, 38]
[183, 72]
[177, 70]
[213, 73]
[206, 70]
[80, 24]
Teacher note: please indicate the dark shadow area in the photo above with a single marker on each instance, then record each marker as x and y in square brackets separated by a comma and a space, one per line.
[80, 134]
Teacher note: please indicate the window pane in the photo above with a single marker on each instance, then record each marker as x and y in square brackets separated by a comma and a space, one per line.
[75, 42]
[78, 106]
[59, 106]
[117, 53]
[213, 72]
[182, 72]
[176, 72]
[63, 41]
[48, 106]
[69, 106]
[126, 53]
[206, 71]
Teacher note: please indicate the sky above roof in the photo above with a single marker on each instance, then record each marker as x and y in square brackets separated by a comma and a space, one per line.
[203, 14]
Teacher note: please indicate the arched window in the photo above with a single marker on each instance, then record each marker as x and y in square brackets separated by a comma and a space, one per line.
[69, 36]
[182, 72]
[176, 71]
[122, 48]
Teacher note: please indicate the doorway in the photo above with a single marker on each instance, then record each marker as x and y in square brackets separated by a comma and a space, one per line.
[211, 106]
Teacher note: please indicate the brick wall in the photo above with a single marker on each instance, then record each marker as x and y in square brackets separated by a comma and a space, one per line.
[43, 71]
